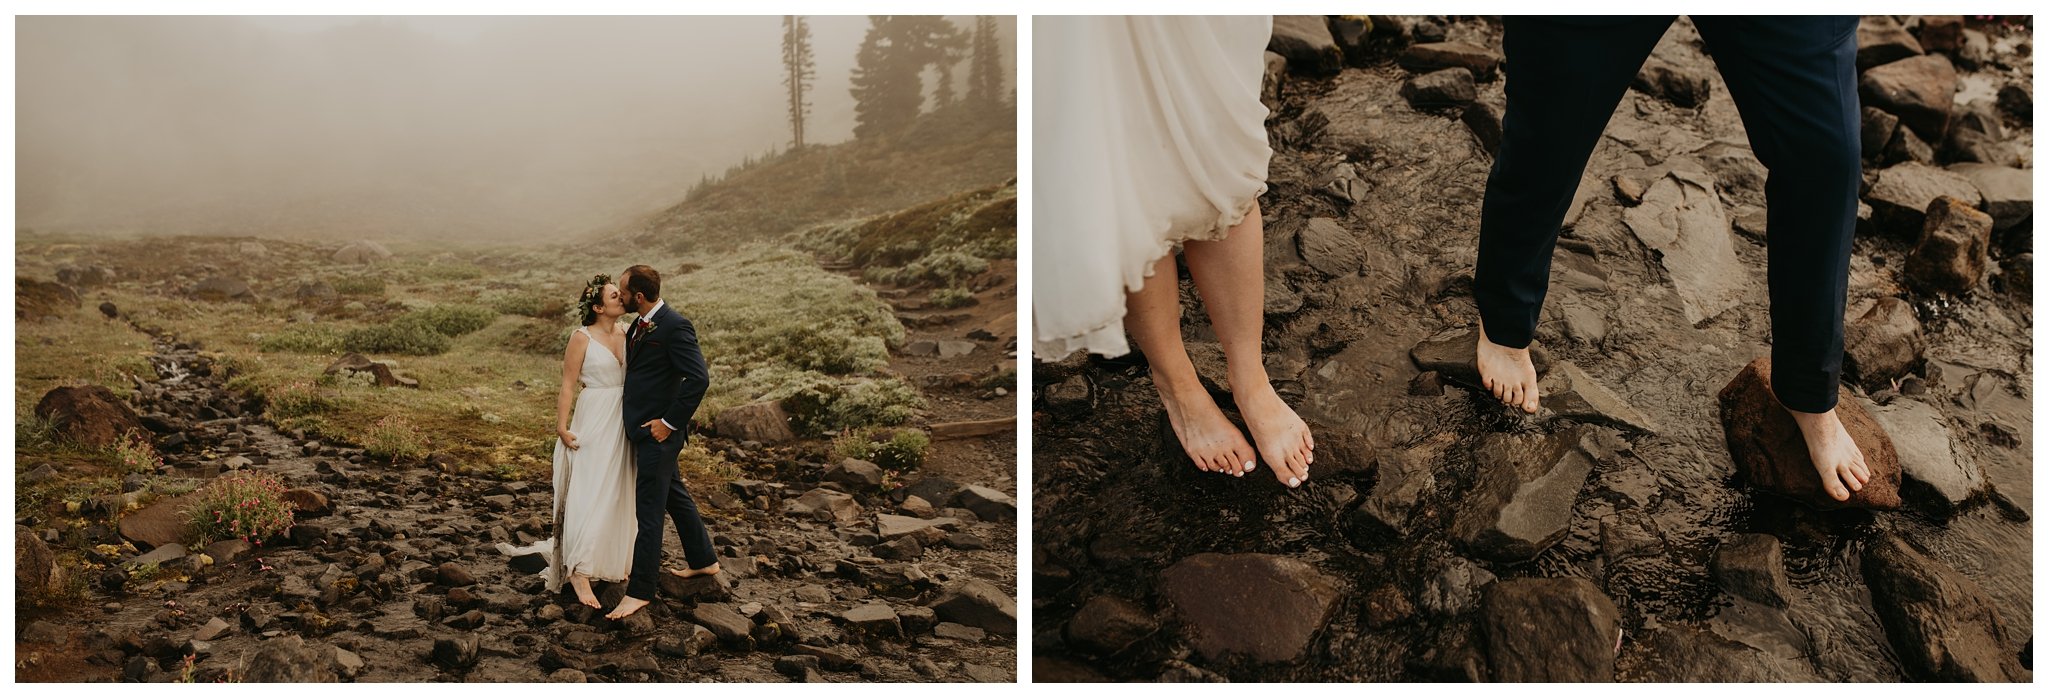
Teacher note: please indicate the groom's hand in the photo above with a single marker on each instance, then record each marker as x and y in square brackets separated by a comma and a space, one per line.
[659, 429]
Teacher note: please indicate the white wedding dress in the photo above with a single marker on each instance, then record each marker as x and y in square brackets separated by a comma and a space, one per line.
[593, 508]
[1147, 132]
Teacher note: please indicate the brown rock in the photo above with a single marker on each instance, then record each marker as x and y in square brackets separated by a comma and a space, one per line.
[1306, 42]
[307, 503]
[1108, 624]
[1770, 453]
[162, 523]
[357, 363]
[1882, 339]
[88, 414]
[1880, 40]
[765, 422]
[33, 563]
[1941, 32]
[1264, 608]
[1942, 625]
[1954, 249]
[1549, 630]
[1423, 58]
[1900, 198]
[1920, 90]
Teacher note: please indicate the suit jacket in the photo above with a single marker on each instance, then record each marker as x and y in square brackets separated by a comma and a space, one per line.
[665, 377]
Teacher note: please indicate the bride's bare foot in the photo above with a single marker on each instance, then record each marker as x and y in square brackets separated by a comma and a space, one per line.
[583, 593]
[1508, 373]
[688, 573]
[626, 607]
[1835, 455]
[1282, 438]
[1210, 439]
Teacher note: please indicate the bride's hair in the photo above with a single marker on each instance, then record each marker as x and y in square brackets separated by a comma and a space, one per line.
[592, 298]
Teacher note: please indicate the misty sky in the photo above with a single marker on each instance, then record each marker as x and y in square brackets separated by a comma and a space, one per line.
[512, 128]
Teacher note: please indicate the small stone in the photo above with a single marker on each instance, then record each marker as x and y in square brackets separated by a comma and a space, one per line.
[1920, 90]
[979, 604]
[1109, 624]
[1427, 57]
[1450, 87]
[1549, 630]
[1752, 566]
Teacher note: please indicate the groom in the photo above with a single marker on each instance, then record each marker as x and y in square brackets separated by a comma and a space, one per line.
[665, 379]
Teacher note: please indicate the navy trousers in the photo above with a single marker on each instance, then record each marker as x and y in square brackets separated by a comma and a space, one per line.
[659, 489]
[1793, 80]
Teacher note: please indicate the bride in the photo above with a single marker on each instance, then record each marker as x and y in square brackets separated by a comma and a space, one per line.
[593, 509]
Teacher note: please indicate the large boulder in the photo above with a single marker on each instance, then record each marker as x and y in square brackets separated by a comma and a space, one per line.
[37, 300]
[1549, 630]
[1882, 339]
[159, 524]
[1526, 487]
[1921, 90]
[1770, 452]
[1954, 249]
[1942, 626]
[1306, 43]
[89, 415]
[222, 288]
[1263, 608]
[1880, 40]
[765, 422]
[287, 659]
[361, 252]
[1939, 478]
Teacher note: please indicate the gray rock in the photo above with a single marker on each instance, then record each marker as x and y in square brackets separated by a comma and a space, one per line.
[287, 659]
[1954, 249]
[1454, 354]
[1568, 393]
[891, 527]
[855, 473]
[727, 624]
[1549, 630]
[2008, 192]
[1921, 90]
[1455, 588]
[1682, 84]
[824, 505]
[1882, 339]
[1330, 249]
[1899, 199]
[1429, 57]
[1939, 478]
[1404, 477]
[987, 503]
[1682, 220]
[1109, 624]
[1752, 566]
[1941, 624]
[1450, 87]
[1306, 43]
[162, 555]
[976, 603]
[1527, 485]
[765, 422]
[1880, 40]
[874, 619]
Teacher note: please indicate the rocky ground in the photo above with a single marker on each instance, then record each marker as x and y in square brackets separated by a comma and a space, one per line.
[834, 570]
[1641, 527]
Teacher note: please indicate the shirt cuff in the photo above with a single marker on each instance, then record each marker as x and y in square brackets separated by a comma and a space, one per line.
[664, 422]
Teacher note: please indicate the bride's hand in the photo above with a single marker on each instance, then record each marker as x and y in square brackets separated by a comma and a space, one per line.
[568, 438]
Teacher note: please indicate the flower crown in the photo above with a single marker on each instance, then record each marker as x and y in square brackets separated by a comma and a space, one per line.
[592, 297]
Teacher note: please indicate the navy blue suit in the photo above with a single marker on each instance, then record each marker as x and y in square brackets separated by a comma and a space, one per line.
[1794, 82]
[665, 379]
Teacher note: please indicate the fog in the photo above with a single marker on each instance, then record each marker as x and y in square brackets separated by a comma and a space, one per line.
[472, 128]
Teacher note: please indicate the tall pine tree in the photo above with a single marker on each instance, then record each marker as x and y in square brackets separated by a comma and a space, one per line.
[985, 69]
[888, 82]
[797, 71]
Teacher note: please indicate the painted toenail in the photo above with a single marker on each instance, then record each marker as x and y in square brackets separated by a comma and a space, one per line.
[1293, 482]
[1247, 466]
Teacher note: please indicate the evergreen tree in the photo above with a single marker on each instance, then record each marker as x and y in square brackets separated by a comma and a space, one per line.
[985, 70]
[797, 71]
[888, 80]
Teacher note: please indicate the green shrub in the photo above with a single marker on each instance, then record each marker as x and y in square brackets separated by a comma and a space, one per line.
[868, 402]
[400, 336]
[702, 469]
[776, 307]
[303, 339]
[531, 337]
[243, 504]
[818, 403]
[394, 439]
[297, 399]
[952, 297]
[900, 450]
[533, 304]
[452, 320]
[945, 267]
[359, 285]
[134, 454]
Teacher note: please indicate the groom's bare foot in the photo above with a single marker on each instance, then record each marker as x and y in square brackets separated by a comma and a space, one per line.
[1509, 373]
[1210, 439]
[583, 592]
[626, 607]
[688, 573]
[1835, 455]
[1282, 438]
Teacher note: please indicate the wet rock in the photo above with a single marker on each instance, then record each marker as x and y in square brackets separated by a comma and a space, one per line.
[1404, 477]
[1882, 339]
[1549, 630]
[824, 505]
[1263, 608]
[873, 619]
[1330, 249]
[1450, 87]
[854, 473]
[1954, 249]
[1771, 454]
[287, 659]
[987, 503]
[1306, 43]
[979, 604]
[1454, 354]
[731, 628]
[34, 566]
[88, 414]
[1521, 502]
[1109, 624]
[1682, 654]
[453, 575]
[765, 422]
[1939, 477]
[1902, 194]
[1685, 85]
[222, 288]
[1940, 623]
[456, 653]
[1569, 393]
[1919, 90]
[1880, 40]
[1430, 57]
[159, 524]
[1682, 220]
[697, 589]
[1455, 588]
[2007, 192]
[1752, 566]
